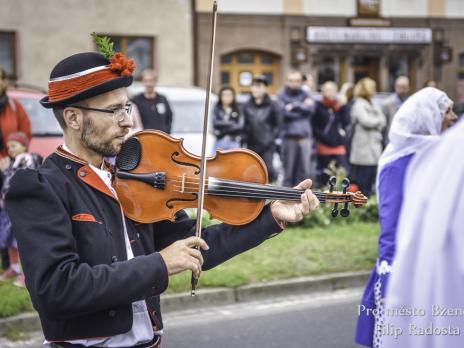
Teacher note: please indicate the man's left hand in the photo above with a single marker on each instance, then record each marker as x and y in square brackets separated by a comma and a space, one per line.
[290, 211]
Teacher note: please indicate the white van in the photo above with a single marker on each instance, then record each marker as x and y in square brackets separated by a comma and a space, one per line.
[188, 107]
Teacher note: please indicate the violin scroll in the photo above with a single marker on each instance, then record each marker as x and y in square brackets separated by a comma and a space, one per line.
[345, 197]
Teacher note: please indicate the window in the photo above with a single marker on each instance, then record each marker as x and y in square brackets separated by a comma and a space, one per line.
[368, 8]
[238, 68]
[461, 60]
[397, 66]
[7, 53]
[269, 77]
[328, 70]
[225, 78]
[461, 66]
[139, 48]
[226, 59]
[267, 58]
[245, 58]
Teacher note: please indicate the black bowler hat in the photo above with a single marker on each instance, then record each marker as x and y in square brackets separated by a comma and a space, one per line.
[85, 75]
[261, 79]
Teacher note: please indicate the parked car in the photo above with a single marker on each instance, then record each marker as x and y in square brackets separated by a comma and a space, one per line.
[188, 106]
[46, 132]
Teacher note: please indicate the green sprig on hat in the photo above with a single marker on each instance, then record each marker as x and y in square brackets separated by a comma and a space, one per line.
[104, 45]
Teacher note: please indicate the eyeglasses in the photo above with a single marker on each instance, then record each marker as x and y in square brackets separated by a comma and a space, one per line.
[119, 114]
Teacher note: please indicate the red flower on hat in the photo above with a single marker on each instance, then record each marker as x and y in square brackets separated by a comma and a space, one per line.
[121, 65]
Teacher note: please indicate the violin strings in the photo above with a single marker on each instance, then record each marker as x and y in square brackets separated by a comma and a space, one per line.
[228, 187]
[254, 196]
[246, 194]
[233, 184]
[249, 195]
[264, 186]
[254, 190]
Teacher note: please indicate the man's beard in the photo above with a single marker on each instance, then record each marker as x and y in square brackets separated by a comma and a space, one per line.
[88, 132]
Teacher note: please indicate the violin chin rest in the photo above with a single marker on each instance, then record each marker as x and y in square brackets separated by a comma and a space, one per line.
[129, 157]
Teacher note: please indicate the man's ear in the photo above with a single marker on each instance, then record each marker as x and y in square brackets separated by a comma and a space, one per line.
[73, 118]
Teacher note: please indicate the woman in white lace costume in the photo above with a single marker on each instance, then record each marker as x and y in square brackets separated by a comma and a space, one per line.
[416, 125]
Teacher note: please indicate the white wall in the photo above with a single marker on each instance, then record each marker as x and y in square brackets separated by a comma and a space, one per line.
[345, 8]
[454, 8]
[269, 7]
[404, 8]
[50, 30]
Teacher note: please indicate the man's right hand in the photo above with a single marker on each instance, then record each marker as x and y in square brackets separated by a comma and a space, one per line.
[181, 256]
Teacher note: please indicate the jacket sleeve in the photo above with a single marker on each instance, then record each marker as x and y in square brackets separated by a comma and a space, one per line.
[276, 118]
[169, 116]
[317, 124]
[61, 286]
[225, 241]
[219, 124]
[390, 201]
[345, 117]
[362, 116]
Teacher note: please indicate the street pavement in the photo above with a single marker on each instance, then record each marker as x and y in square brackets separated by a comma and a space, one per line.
[319, 320]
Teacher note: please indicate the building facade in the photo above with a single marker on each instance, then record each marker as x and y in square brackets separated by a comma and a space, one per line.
[35, 35]
[339, 40]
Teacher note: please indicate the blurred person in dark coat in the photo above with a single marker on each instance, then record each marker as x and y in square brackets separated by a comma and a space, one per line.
[297, 108]
[153, 108]
[394, 102]
[262, 123]
[330, 122]
[228, 122]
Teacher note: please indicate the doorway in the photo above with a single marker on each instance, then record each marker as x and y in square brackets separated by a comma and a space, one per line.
[364, 66]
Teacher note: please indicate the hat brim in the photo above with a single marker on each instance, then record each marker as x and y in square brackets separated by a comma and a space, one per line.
[119, 82]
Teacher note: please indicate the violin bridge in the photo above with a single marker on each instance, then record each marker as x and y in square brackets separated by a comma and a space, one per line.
[183, 183]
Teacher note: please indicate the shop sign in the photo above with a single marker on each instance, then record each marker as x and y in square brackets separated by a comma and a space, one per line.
[369, 35]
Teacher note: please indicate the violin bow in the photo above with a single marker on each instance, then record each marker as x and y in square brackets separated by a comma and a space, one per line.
[201, 186]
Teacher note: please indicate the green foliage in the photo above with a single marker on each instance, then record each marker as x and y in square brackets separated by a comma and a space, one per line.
[205, 220]
[323, 215]
[14, 300]
[295, 252]
[104, 45]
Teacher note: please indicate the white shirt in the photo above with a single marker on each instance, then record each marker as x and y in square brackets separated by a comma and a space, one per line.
[142, 328]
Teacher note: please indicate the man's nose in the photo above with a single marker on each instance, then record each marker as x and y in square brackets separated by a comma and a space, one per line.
[127, 121]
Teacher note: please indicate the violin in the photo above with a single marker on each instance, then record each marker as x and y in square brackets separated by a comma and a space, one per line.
[156, 176]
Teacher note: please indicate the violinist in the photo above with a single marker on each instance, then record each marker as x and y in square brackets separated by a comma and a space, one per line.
[94, 275]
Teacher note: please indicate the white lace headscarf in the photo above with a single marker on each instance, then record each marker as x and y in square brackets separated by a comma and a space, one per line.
[417, 124]
[429, 261]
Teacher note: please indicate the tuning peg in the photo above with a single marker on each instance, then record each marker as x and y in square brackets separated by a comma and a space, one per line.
[332, 183]
[335, 210]
[345, 184]
[345, 212]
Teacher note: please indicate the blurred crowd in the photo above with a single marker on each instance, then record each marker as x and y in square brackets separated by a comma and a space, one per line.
[15, 135]
[313, 134]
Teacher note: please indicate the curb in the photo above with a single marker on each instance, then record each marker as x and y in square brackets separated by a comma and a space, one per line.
[264, 290]
[28, 322]
[25, 322]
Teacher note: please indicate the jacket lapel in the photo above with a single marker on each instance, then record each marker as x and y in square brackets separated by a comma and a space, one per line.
[87, 175]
